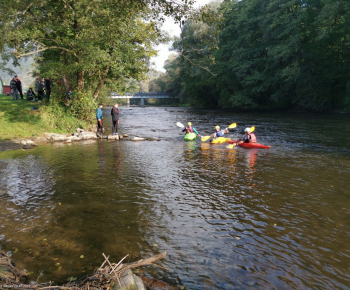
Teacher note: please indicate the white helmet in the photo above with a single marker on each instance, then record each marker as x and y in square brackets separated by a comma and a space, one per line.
[247, 130]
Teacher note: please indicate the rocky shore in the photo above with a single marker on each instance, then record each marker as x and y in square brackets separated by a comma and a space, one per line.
[79, 135]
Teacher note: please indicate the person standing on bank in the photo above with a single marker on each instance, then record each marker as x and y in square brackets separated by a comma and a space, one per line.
[48, 89]
[14, 90]
[19, 88]
[115, 119]
[39, 89]
[99, 119]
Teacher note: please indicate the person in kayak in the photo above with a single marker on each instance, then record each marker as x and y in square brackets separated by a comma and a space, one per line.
[220, 133]
[190, 129]
[248, 137]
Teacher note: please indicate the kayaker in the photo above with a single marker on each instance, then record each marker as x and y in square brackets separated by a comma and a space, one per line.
[190, 129]
[248, 137]
[220, 133]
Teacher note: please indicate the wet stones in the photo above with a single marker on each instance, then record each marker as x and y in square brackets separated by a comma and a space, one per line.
[87, 135]
[113, 137]
[138, 139]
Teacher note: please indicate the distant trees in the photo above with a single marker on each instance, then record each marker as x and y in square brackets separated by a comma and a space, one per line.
[267, 55]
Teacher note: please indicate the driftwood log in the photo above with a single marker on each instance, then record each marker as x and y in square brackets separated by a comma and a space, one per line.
[104, 277]
[8, 271]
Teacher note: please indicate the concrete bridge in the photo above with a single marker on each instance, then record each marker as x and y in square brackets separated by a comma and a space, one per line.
[140, 96]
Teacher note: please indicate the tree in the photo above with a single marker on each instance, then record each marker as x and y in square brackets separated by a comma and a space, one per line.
[87, 42]
[196, 63]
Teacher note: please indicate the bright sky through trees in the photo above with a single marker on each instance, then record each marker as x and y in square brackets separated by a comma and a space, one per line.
[173, 30]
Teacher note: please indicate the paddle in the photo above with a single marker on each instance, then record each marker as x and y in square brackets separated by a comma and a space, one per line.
[180, 125]
[205, 138]
[230, 146]
[233, 125]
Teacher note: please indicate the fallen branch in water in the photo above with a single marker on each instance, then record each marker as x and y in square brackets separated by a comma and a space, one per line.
[104, 277]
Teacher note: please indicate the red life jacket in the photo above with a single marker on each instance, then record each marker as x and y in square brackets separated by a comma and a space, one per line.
[252, 138]
[189, 130]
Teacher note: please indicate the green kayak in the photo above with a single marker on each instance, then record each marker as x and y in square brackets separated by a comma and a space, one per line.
[190, 136]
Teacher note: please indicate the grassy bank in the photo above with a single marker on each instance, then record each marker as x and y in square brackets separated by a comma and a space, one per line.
[17, 120]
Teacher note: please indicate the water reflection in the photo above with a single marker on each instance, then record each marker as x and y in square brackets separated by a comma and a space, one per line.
[228, 218]
[21, 179]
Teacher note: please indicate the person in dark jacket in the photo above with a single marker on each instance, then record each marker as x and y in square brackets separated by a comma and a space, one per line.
[48, 89]
[19, 87]
[39, 89]
[30, 95]
[14, 90]
[115, 119]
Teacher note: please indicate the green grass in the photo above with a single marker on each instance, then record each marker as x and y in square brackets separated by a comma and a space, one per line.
[17, 120]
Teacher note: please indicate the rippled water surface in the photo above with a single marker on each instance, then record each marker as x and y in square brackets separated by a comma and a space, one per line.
[227, 218]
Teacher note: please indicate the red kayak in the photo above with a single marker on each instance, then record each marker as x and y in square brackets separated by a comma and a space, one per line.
[250, 145]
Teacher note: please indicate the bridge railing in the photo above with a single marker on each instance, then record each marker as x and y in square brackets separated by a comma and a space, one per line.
[141, 96]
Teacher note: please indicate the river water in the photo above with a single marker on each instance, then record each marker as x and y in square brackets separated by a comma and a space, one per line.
[227, 218]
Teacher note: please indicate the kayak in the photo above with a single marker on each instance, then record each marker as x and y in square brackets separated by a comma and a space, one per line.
[190, 136]
[219, 140]
[254, 145]
[250, 145]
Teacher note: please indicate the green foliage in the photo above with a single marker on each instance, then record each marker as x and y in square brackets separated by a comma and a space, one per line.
[57, 117]
[83, 107]
[265, 55]
[17, 120]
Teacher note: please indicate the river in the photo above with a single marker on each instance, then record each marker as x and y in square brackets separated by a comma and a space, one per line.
[227, 218]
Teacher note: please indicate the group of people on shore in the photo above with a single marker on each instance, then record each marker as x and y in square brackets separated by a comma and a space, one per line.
[41, 90]
[249, 137]
[115, 119]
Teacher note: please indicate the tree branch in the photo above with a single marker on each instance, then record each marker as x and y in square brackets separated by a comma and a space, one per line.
[202, 67]
[18, 55]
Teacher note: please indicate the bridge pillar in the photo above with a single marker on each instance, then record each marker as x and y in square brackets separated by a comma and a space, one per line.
[141, 102]
[128, 102]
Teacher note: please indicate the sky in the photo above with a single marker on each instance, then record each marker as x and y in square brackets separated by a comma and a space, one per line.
[173, 30]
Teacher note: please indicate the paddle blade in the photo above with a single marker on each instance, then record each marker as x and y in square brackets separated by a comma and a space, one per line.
[233, 125]
[230, 146]
[252, 129]
[205, 138]
[180, 125]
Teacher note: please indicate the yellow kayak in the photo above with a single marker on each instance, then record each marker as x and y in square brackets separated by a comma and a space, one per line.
[219, 140]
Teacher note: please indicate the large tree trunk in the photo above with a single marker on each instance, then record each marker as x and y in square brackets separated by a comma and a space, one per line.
[101, 82]
[66, 83]
[80, 81]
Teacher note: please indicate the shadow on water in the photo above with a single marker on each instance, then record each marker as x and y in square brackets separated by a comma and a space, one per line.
[228, 218]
